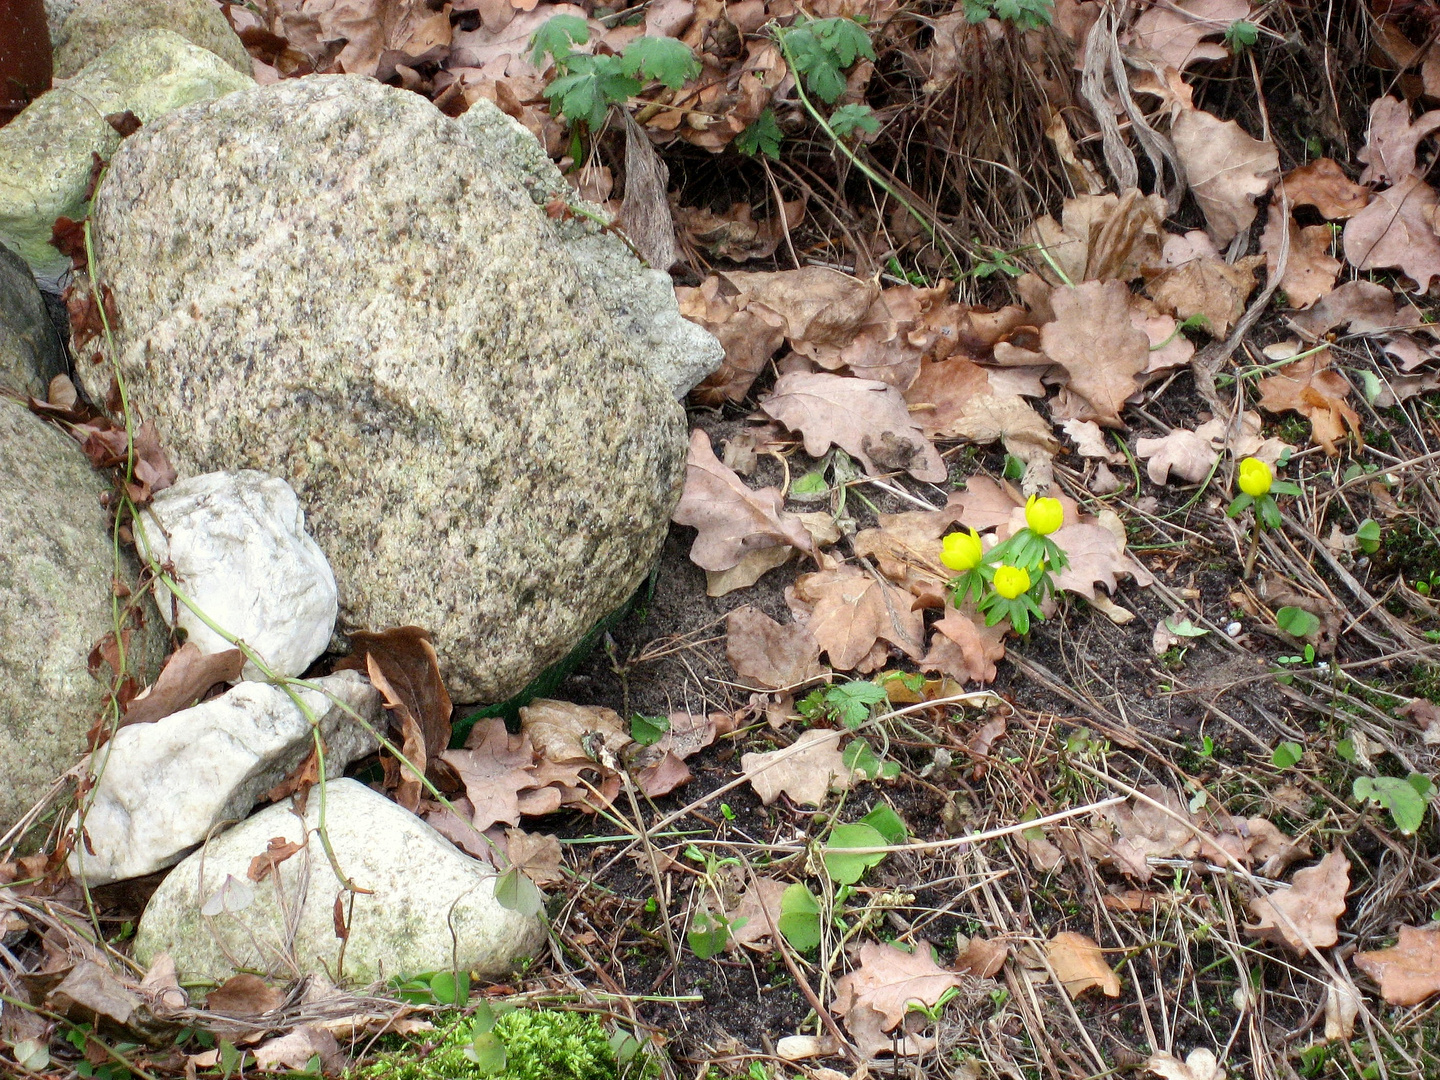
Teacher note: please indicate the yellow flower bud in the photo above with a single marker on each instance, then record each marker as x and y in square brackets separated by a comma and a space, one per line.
[1043, 516]
[1255, 477]
[1011, 581]
[961, 551]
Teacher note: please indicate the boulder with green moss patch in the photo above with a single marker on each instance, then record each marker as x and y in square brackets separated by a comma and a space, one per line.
[95, 25]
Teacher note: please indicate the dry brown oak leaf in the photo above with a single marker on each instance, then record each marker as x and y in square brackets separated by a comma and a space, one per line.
[1304, 915]
[1396, 230]
[963, 647]
[732, 520]
[186, 678]
[1096, 558]
[851, 609]
[1310, 269]
[1225, 168]
[1409, 971]
[768, 654]
[1024, 433]
[1324, 185]
[807, 770]
[1174, 32]
[1199, 1064]
[1311, 388]
[1392, 141]
[941, 393]
[874, 998]
[1079, 964]
[495, 767]
[1364, 306]
[1186, 454]
[866, 419]
[1093, 339]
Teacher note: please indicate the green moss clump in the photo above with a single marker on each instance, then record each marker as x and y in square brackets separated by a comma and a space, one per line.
[540, 1044]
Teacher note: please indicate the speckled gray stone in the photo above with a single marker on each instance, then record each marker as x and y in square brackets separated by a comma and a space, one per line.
[30, 353]
[95, 25]
[678, 353]
[55, 574]
[45, 152]
[56, 12]
[430, 908]
[323, 280]
[163, 787]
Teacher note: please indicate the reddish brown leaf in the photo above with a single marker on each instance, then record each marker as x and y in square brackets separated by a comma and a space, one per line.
[1305, 914]
[185, 679]
[853, 609]
[1312, 389]
[402, 665]
[276, 852]
[770, 655]
[1324, 185]
[1409, 971]
[1093, 339]
[244, 995]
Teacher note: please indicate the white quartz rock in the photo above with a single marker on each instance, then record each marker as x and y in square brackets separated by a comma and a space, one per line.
[163, 787]
[240, 552]
[423, 905]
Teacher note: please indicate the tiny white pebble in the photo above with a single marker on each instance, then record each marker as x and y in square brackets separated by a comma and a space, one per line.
[1232, 629]
[1322, 666]
[943, 758]
[1362, 562]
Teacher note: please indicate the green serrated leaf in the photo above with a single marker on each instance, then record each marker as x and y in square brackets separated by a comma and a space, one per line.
[845, 39]
[849, 118]
[1241, 34]
[847, 868]
[1297, 622]
[556, 36]
[763, 137]
[662, 58]
[850, 702]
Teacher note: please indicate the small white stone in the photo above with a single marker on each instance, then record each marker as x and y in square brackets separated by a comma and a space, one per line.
[163, 787]
[425, 906]
[240, 552]
[1232, 629]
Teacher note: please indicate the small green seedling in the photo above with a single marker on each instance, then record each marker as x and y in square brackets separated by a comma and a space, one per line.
[762, 137]
[648, 730]
[1022, 14]
[1297, 622]
[800, 917]
[844, 866]
[861, 758]
[1241, 35]
[847, 703]
[1405, 799]
[1287, 755]
[709, 934]
[1367, 536]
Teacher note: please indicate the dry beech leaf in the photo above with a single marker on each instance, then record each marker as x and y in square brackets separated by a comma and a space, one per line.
[1395, 230]
[1392, 141]
[1174, 32]
[1409, 971]
[1311, 388]
[851, 610]
[874, 997]
[1225, 168]
[1313, 903]
[806, 774]
[1089, 440]
[1186, 454]
[732, 520]
[1324, 185]
[1023, 432]
[1093, 339]
[1199, 1064]
[1101, 237]
[1079, 965]
[865, 418]
[1310, 269]
[186, 677]
[768, 654]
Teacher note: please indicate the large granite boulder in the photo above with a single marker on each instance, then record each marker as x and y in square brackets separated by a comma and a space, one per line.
[56, 570]
[428, 906]
[325, 280]
[95, 25]
[56, 12]
[30, 352]
[46, 151]
[162, 788]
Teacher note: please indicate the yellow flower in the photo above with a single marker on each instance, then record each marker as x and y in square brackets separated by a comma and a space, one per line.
[1011, 581]
[961, 551]
[1255, 477]
[1043, 516]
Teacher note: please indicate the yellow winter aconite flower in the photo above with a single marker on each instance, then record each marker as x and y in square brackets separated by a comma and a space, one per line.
[1043, 516]
[1011, 581]
[961, 551]
[1255, 477]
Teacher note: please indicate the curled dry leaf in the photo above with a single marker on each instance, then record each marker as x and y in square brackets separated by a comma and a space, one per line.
[806, 771]
[244, 995]
[1304, 915]
[1206, 286]
[865, 418]
[1187, 454]
[1199, 1064]
[1409, 971]
[1093, 339]
[495, 767]
[732, 520]
[1365, 307]
[1225, 168]
[768, 654]
[1395, 230]
[1324, 185]
[903, 325]
[1101, 237]
[874, 998]
[963, 647]
[735, 234]
[1175, 32]
[1311, 388]
[851, 610]
[942, 391]
[185, 679]
[749, 338]
[1392, 141]
[295, 1049]
[1079, 965]
[1023, 432]
[1310, 269]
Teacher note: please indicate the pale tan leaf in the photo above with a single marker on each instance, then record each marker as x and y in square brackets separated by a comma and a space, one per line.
[1391, 141]
[1175, 31]
[866, 419]
[1023, 431]
[732, 519]
[494, 766]
[1342, 1006]
[1396, 230]
[1305, 914]
[762, 897]
[537, 855]
[1101, 237]
[888, 980]
[1089, 440]
[851, 609]
[1310, 269]
[1311, 388]
[1226, 169]
[766, 654]
[815, 305]
[564, 733]
[1365, 306]
[1093, 339]
[1079, 965]
[1186, 454]
[294, 1050]
[1199, 1064]
[749, 338]
[1206, 286]
[941, 393]
[1324, 185]
[962, 646]
[806, 771]
[1096, 558]
[1409, 971]
[753, 565]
